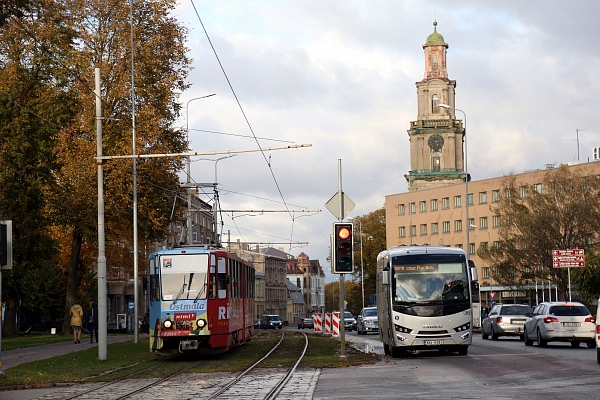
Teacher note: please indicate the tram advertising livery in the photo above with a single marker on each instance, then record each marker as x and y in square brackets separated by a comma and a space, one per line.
[201, 300]
[424, 299]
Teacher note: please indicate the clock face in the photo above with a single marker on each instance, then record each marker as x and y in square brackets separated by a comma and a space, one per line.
[436, 142]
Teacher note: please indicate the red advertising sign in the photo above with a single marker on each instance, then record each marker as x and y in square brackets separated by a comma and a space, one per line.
[573, 258]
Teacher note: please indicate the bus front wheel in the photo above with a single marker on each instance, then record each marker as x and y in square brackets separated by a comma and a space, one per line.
[463, 350]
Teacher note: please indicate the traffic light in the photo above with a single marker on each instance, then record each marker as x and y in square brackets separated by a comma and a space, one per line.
[343, 248]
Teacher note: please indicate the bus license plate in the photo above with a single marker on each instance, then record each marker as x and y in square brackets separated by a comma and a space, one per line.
[433, 342]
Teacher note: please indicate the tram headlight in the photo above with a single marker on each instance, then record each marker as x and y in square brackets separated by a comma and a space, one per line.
[168, 324]
[201, 323]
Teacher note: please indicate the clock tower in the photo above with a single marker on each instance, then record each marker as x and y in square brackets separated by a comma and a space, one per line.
[436, 137]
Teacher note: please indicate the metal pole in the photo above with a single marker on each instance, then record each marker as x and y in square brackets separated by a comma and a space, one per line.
[216, 197]
[136, 311]
[187, 170]
[1, 319]
[102, 306]
[342, 290]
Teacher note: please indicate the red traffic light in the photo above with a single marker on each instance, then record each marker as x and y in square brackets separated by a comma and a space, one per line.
[344, 233]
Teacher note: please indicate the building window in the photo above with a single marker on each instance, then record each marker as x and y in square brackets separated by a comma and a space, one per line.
[485, 271]
[471, 248]
[434, 228]
[457, 201]
[538, 188]
[401, 209]
[423, 229]
[413, 230]
[446, 226]
[482, 197]
[496, 244]
[413, 208]
[446, 203]
[458, 225]
[483, 246]
[470, 199]
[459, 246]
[495, 195]
[423, 206]
[434, 205]
[483, 223]
[402, 232]
[472, 224]
[524, 192]
[298, 282]
[496, 221]
[435, 162]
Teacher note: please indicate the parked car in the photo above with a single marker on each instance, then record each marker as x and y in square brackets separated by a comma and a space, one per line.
[349, 321]
[270, 322]
[367, 321]
[598, 334]
[560, 321]
[306, 323]
[505, 320]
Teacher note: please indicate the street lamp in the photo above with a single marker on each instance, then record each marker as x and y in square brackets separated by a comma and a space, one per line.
[362, 273]
[187, 169]
[466, 173]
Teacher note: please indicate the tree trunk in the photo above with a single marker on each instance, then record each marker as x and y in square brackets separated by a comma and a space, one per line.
[74, 279]
[10, 327]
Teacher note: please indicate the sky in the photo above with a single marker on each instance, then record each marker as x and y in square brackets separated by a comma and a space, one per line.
[340, 76]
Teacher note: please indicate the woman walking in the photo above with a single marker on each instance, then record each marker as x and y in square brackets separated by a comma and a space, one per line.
[76, 321]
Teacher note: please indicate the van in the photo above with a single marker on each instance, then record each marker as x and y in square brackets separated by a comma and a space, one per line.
[270, 322]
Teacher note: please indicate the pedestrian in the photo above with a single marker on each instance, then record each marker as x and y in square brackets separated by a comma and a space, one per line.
[76, 321]
[93, 321]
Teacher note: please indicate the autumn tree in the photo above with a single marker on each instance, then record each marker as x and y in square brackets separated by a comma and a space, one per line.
[369, 230]
[564, 213]
[48, 60]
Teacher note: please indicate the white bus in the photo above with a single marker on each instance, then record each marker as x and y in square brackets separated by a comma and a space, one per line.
[424, 299]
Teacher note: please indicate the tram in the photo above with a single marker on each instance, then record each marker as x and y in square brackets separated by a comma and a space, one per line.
[201, 300]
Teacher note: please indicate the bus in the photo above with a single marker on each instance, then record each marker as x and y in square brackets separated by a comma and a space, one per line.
[476, 299]
[424, 299]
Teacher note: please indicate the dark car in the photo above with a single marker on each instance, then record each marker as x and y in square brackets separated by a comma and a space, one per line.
[306, 323]
[271, 322]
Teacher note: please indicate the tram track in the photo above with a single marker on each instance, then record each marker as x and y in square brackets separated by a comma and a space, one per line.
[238, 381]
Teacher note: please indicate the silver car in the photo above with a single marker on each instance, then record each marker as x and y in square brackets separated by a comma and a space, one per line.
[505, 320]
[349, 321]
[560, 321]
[367, 321]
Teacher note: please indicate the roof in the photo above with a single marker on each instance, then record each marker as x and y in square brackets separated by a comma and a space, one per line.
[435, 37]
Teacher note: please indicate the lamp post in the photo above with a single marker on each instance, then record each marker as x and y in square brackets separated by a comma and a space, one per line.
[466, 174]
[187, 169]
[362, 271]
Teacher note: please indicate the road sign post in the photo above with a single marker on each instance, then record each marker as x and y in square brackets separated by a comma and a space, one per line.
[570, 258]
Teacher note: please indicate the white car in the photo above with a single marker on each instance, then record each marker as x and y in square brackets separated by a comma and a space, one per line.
[598, 334]
[560, 321]
[367, 321]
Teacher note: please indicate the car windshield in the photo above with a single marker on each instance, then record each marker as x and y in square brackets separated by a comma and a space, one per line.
[370, 312]
[514, 310]
[273, 318]
[569, 311]
[348, 315]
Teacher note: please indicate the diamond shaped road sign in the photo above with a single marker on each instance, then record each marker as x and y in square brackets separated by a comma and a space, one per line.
[333, 205]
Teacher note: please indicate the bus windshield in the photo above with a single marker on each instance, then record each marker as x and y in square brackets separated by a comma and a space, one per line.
[183, 277]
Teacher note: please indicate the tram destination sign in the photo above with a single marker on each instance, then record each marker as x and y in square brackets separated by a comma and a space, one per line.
[573, 258]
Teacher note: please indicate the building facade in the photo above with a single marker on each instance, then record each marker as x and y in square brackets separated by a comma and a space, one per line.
[309, 276]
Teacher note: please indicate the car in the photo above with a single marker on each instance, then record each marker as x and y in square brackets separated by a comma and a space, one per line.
[270, 321]
[349, 321]
[306, 323]
[560, 321]
[505, 320]
[597, 336]
[367, 321]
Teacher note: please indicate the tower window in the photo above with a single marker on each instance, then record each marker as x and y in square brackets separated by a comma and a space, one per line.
[435, 162]
[435, 100]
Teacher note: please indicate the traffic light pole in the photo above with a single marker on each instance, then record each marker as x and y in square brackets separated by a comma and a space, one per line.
[342, 288]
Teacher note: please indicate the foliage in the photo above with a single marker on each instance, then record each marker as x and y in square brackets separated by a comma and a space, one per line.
[565, 215]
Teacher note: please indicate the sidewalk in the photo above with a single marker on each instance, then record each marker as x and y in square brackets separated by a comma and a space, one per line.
[12, 358]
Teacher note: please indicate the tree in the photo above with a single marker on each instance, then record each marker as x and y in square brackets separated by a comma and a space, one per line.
[565, 214]
[371, 230]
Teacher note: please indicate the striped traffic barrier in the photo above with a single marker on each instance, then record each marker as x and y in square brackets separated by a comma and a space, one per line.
[327, 330]
[317, 318]
[336, 324]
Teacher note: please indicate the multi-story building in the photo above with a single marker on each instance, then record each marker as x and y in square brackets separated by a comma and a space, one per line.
[434, 211]
[309, 276]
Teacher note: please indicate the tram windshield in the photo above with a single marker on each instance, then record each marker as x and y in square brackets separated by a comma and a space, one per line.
[183, 276]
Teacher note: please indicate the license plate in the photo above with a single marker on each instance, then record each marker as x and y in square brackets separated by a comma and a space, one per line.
[571, 324]
[433, 342]
[517, 321]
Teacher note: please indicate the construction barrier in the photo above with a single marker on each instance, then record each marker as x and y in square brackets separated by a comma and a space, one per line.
[336, 324]
[317, 318]
[327, 330]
